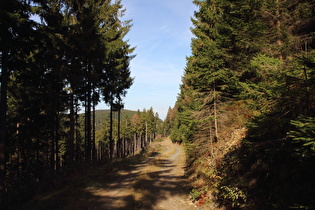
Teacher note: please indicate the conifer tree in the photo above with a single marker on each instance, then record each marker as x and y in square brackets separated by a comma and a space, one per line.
[15, 29]
[207, 74]
[252, 65]
[73, 52]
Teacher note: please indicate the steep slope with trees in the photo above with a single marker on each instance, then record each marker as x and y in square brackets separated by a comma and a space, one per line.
[251, 74]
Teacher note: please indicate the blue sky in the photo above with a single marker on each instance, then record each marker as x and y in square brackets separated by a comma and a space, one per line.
[161, 34]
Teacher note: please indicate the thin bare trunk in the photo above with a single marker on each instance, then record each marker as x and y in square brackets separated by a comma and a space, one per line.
[215, 115]
[211, 139]
[57, 142]
[111, 146]
[3, 114]
[71, 131]
[93, 139]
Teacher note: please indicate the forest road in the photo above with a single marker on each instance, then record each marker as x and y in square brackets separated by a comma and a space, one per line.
[155, 183]
[158, 183]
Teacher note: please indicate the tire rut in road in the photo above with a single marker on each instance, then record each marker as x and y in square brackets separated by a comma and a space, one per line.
[156, 183]
[162, 185]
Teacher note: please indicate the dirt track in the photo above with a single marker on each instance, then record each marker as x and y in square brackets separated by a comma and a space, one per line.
[156, 183]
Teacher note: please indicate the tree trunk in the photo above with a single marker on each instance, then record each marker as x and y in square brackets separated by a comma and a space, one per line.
[307, 91]
[3, 115]
[57, 142]
[118, 132]
[111, 146]
[135, 143]
[93, 139]
[211, 139]
[216, 132]
[146, 134]
[78, 140]
[70, 144]
[52, 149]
[89, 134]
[88, 122]
[278, 28]
[37, 168]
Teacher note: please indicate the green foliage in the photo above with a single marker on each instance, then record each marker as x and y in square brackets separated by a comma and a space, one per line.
[266, 127]
[303, 133]
[169, 121]
[233, 196]
[196, 194]
[102, 115]
[183, 131]
[259, 54]
[75, 55]
[269, 173]
[268, 64]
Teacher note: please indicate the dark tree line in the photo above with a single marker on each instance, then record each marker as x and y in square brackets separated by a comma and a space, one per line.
[57, 56]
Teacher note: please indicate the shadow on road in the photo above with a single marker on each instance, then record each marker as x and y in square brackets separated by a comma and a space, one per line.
[133, 188]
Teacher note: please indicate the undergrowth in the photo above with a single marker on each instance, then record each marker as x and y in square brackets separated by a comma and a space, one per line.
[256, 175]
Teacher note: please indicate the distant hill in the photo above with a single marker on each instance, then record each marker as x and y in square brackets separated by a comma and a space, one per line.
[103, 114]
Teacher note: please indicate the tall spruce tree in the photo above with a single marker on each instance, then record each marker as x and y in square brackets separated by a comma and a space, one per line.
[207, 75]
[15, 31]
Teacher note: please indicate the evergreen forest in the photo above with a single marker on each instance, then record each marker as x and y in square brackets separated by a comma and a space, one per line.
[59, 59]
[246, 107]
[245, 112]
